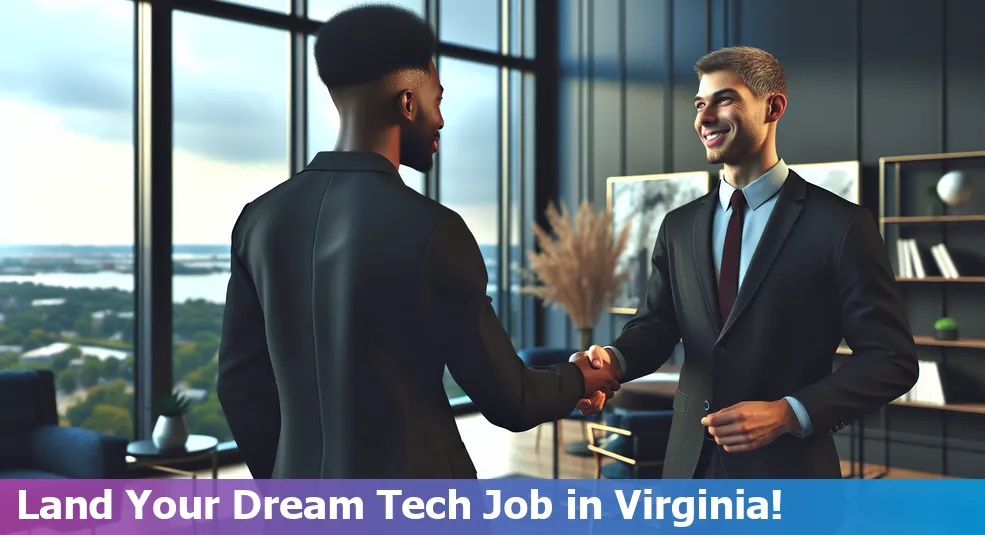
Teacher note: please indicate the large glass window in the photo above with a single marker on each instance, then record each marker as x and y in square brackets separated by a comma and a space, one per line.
[282, 6]
[230, 146]
[326, 9]
[323, 121]
[66, 206]
[469, 160]
[522, 178]
[472, 23]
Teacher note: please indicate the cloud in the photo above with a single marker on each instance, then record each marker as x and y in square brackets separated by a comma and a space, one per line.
[70, 87]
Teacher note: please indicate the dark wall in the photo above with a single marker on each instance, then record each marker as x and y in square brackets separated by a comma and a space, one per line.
[867, 79]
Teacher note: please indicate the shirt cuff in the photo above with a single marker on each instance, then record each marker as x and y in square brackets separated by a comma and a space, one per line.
[806, 427]
[620, 358]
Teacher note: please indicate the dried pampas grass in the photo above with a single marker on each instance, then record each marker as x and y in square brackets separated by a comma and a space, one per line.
[577, 264]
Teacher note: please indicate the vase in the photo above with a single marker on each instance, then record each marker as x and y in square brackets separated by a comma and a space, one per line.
[170, 433]
[585, 335]
[947, 334]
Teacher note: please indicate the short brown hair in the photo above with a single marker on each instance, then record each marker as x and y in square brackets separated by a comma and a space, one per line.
[758, 68]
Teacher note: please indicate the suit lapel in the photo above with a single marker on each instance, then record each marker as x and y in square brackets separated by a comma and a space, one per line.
[703, 262]
[785, 213]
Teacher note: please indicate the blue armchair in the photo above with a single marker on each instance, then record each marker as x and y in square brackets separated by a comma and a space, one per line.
[34, 446]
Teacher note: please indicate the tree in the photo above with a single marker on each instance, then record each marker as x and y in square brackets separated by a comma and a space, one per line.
[67, 381]
[91, 372]
[111, 420]
[35, 339]
[111, 368]
[113, 394]
[61, 361]
[9, 359]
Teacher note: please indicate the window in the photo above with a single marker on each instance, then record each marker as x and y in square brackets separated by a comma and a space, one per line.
[323, 122]
[66, 228]
[522, 178]
[326, 9]
[230, 146]
[523, 15]
[469, 160]
[282, 6]
[473, 23]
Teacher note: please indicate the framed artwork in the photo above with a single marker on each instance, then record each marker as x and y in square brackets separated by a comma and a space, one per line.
[643, 201]
[844, 179]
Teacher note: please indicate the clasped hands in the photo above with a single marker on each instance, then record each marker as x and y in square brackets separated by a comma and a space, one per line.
[745, 426]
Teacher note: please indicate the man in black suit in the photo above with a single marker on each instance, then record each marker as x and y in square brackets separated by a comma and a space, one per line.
[762, 279]
[350, 293]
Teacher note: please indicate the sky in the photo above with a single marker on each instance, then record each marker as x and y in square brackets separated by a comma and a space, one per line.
[66, 133]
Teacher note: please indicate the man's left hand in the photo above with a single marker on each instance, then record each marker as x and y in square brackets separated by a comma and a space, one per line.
[751, 425]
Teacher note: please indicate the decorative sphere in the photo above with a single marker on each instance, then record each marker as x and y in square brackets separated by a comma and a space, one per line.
[954, 188]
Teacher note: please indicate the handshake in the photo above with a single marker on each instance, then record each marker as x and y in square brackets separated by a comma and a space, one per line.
[602, 375]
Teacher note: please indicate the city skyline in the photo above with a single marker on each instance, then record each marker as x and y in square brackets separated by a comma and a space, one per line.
[66, 142]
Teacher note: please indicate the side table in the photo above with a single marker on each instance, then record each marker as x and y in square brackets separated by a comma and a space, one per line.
[197, 447]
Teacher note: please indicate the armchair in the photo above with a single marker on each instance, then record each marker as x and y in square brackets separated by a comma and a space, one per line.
[34, 446]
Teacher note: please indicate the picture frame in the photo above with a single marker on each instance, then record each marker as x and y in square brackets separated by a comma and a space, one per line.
[643, 201]
[844, 179]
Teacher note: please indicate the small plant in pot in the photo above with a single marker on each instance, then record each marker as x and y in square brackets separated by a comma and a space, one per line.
[170, 431]
[946, 329]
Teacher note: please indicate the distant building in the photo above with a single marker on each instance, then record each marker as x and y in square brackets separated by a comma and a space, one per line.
[48, 302]
[195, 394]
[44, 355]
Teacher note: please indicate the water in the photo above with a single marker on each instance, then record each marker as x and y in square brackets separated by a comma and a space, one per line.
[210, 287]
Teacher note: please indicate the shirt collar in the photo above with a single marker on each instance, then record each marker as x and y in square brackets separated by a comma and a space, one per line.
[758, 191]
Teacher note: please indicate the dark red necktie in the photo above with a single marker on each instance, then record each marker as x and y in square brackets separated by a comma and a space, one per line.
[728, 278]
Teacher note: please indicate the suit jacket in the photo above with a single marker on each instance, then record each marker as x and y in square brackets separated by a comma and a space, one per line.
[820, 274]
[350, 293]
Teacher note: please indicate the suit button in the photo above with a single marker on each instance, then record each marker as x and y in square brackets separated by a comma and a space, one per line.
[720, 351]
[707, 405]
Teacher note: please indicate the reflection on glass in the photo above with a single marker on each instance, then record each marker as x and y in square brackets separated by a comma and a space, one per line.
[66, 226]
[472, 23]
[521, 198]
[230, 146]
[326, 9]
[469, 166]
[323, 122]
[523, 15]
[468, 162]
[281, 6]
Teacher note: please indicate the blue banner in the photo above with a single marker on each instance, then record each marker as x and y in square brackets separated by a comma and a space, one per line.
[506, 506]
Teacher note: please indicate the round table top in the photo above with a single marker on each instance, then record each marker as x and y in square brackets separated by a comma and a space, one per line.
[196, 444]
[649, 393]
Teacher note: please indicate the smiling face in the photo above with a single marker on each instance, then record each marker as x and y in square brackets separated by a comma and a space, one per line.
[731, 121]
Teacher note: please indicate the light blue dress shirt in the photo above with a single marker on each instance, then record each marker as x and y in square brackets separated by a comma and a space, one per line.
[761, 195]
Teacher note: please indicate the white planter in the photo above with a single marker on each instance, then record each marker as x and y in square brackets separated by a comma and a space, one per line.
[170, 433]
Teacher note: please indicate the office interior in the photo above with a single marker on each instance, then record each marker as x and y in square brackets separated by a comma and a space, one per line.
[135, 131]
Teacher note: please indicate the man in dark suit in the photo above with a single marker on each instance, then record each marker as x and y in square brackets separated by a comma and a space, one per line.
[350, 293]
[762, 279]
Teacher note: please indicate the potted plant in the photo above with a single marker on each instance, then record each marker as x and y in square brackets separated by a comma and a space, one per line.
[577, 265]
[946, 329]
[170, 431]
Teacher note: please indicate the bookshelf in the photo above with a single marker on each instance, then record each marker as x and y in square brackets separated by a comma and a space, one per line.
[938, 255]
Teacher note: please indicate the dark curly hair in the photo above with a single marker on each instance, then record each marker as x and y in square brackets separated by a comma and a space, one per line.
[365, 43]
